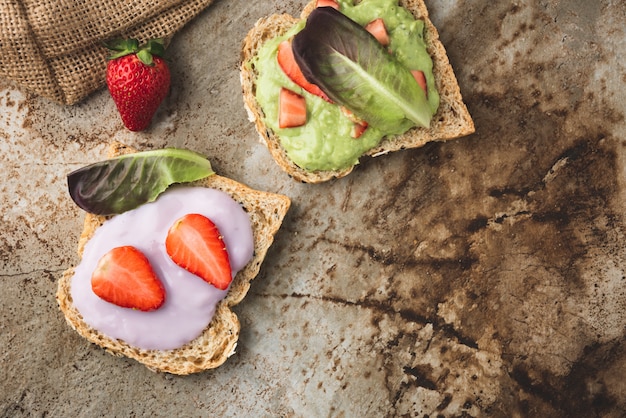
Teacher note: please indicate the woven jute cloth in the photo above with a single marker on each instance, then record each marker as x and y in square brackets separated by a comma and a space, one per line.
[54, 47]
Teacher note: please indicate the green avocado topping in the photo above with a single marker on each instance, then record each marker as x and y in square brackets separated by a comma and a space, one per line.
[325, 142]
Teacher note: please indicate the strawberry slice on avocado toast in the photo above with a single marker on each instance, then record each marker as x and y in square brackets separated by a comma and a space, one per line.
[377, 28]
[194, 243]
[138, 79]
[288, 64]
[292, 109]
[125, 278]
[327, 3]
[421, 80]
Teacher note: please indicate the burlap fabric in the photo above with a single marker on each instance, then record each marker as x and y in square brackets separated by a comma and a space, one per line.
[54, 47]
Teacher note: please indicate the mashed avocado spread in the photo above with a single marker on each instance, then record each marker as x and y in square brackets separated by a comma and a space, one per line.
[325, 141]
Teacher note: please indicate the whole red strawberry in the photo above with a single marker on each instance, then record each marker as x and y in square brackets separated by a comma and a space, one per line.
[138, 79]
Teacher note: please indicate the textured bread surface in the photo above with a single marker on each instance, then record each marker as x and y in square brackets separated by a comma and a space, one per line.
[219, 339]
[452, 119]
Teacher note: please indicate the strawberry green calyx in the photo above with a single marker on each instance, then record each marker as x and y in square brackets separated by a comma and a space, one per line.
[145, 52]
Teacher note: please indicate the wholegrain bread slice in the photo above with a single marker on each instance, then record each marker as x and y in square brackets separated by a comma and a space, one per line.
[219, 339]
[452, 119]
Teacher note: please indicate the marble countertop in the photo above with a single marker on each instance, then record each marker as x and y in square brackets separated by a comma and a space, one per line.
[484, 276]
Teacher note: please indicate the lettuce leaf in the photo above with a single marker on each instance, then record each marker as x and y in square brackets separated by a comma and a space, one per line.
[123, 183]
[357, 72]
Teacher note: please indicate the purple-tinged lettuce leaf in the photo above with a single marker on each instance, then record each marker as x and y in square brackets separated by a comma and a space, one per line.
[357, 72]
[123, 183]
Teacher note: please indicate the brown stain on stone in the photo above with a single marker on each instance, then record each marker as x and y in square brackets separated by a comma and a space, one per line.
[502, 221]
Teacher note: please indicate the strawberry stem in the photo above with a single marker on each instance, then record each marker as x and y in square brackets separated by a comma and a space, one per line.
[155, 47]
[145, 52]
[145, 56]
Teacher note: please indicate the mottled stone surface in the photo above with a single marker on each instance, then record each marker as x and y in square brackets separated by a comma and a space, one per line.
[479, 277]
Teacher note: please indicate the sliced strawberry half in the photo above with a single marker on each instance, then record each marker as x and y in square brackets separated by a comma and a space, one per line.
[421, 79]
[194, 243]
[288, 64]
[124, 277]
[377, 28]
[291, 109]
[327, 3]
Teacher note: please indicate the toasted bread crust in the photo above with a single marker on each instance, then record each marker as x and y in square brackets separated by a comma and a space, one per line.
[452, 119]
[219, 339]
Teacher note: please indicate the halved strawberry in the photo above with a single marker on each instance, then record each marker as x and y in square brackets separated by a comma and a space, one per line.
[327, 3]
[124, 277]
[291, 109]
[377, 28]
[290, 67]
[194, 243]
[421, 79]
